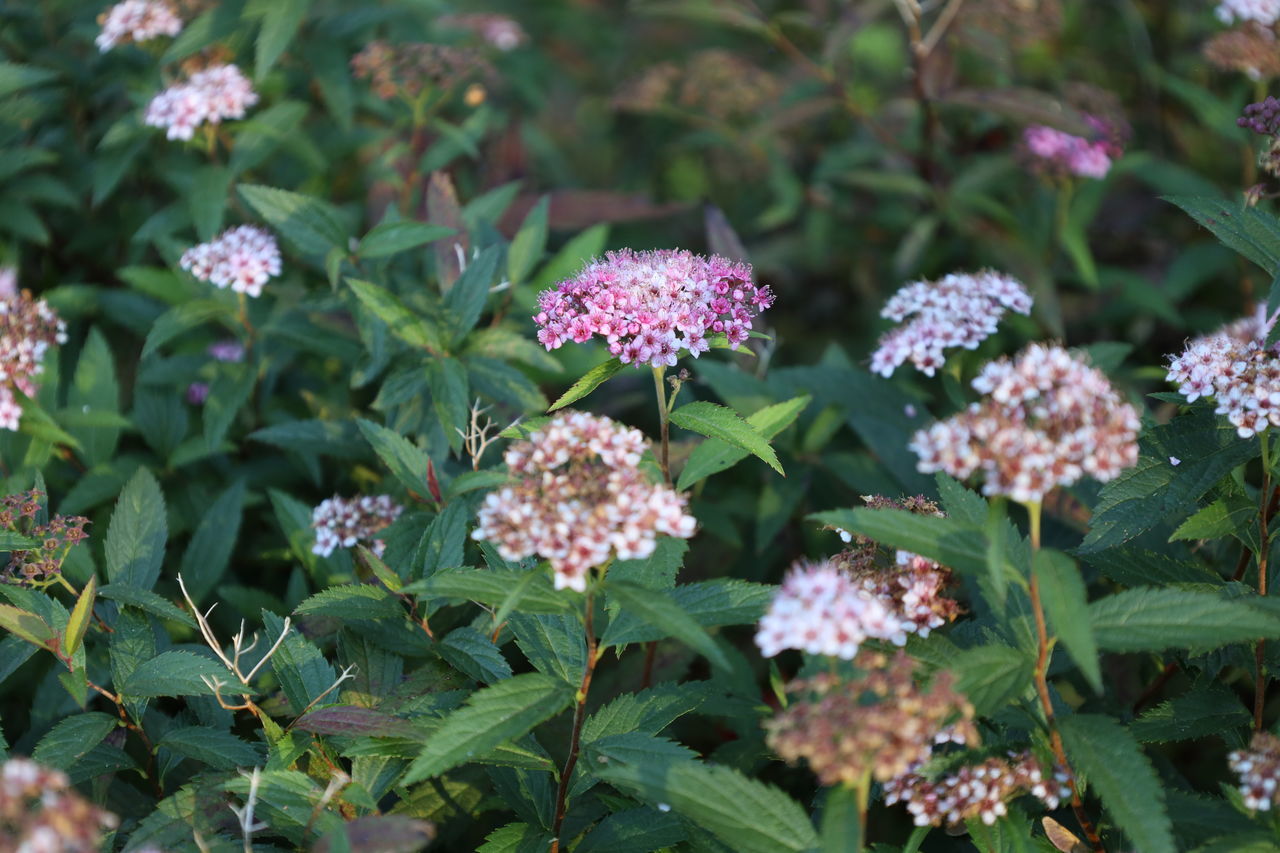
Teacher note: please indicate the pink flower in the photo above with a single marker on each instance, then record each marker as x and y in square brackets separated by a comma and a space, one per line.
[197, 393]
[345, 522]
[577, 497]
[1235, 366]
[821, 610]
[975, 791]
[958, 310]
[1061, 152]
[1265, 12]
[1259, 770]
[28, 327]
[218, 92]
[243, 258]
[136, 21]
[650, 306]
[1047, 420]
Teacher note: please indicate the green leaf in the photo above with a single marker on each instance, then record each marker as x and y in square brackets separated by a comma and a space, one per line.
[725, 601]
[1205, 711]
[78, 624]
[314, 226]
[468, 650]
[72, 738]
[217, 748]
[352, 601]
[714, 455]
[15, 77]
[633, 831]
[1148, 619]
[176, 673]
[491, 588]
[207, 201]
[647, 712]
[303, 671]
[405, 460]
[553, 643]
[371, 561]
[465, 300]
[722, 423]
[961, 503]
[591, 380]
[842, 829]
[28, 626]
[1250, 231]
[391, 238]
[280, 22]
[228, 394]
[447, 379]
[1224, 517]
[182, 318]
[209, 552]
[147, 601]
[137, 533]
[95, 391]
[1099, 748]
[529, 243]
[355, 720]
[946, 540]
[411, 328]
[989, 676]
[506, 710]
[1156, 490]
[1066, 603]
[748, 816]
[658, 609]
[996, 529]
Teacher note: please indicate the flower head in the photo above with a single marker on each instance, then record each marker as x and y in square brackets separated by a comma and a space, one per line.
[39, 810]
[1235, 366]
[577, 496]
[136, 21]
[822, 610]
[28, 327]
[40, 565]
[976, 790]
[650, 306]
[243, 258]
[1048, 419]
[227, 351]
[346, 522]
[500, 31]
[408, 69]
[209, 96]
[1250, 49]
[1265, 12]
[1262, 118]
[882, 722]
[1259, 770]
[958, 310]
[1059, 152]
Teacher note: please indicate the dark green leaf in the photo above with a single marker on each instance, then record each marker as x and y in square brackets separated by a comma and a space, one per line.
[725, 424]
[590, 381]
[391, 238]
[137, 533]
[217, 748]
[314, 226]
[1205, 711]
[175, 673]
[714, 455]
[71, 738]
[1066, 603]
[1149, 620]
[659, 610]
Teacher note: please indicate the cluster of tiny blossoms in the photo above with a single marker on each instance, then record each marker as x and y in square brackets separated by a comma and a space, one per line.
[28, 327]
[651, 306]
[42, 564]
[209, 96]
[822, 610]
[976, 791]
[1265, 12]
[577, 497]
[1235, 367]
[958, 310]
[1048, 419]
[243, 258]
[1060, 152]
[41, 813]
[882, 722]
[344, 522]
[1258, 768]
[500, 31]
[136, 21]
[408, 69]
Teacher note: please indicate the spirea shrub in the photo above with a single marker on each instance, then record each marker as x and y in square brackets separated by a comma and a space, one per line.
[428, 424]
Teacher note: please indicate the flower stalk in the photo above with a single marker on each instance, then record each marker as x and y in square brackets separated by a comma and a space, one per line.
[579, 718]
[1264, 547]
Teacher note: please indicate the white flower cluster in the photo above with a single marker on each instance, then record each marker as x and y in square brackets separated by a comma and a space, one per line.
[344, 522]
[137, 21]
[577, 496]
[1258, 768]
[976, 791]
[1265, 12]
[959, 310]
[28, 327]
[208, 97]
[243, 258]
[1235, 367]
[1047, 420]
[821, 610]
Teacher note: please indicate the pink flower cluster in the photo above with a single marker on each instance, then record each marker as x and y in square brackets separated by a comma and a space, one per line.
[208, 97]
[1047, 420]
[958, 310]
[651, 306]
[136, 21]
[821, 610]
[1236, 367]
[498, 31]
[975, 791]
[243, 258]
[1259, 770]
[577, 496]
[40, 812]
[28, 327]
[1063, 152]
[1265, 12]
[344, 522]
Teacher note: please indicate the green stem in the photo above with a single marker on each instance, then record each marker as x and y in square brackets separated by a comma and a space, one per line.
[579, 717]
[1264, 548]
[664, 420]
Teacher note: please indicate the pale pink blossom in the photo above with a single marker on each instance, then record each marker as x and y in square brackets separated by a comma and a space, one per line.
[211, 96]
[1259, 770]
[243, 258]
[979, 791]
[137, 21]
[28, 328]
[1265, 12]
[227, 351]
[958, 310]
[822, 610]
[1062, 152]
[577, 497]
[345, 522]
[649, 307]
[1236, 368]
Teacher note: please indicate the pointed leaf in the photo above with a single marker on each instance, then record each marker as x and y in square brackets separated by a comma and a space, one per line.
[137, 532]
[81, 614]
[590, 381]
[1066, 603]
[725, 424]
[658, 609]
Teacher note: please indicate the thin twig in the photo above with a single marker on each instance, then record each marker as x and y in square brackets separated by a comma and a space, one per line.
[579, 717]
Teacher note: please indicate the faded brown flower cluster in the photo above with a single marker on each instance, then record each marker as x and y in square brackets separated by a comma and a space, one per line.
[1250, 49]
[39, 811]
[979, 791]
[715, 83]
[881, 724]
[40, 565]
[395, 70]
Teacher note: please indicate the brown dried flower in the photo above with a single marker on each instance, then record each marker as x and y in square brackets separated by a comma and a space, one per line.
[41, 565]
[1251, 49]
[408, 69]
[40, 811]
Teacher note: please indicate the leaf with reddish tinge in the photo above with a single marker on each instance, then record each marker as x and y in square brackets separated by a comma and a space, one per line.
[354, 720]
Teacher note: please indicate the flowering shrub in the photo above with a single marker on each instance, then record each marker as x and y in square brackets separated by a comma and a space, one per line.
[654, 427]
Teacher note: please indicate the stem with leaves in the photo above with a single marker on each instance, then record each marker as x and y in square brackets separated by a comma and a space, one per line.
[579, 717]
[1045, 647]
[1264, 547]
[664, 421]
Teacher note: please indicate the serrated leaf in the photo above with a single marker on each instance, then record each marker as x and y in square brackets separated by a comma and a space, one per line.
[182, 318]
[491, 587]
[492, 715]
[1148, 619]
[28, 626]
[314, 226]
[465, 300]
[1250, 231]
[590, 381]
[280, 22]
[81, 614]
[725, 601]
[137, 532]
[354, 720]
[1203, 712]
[447, 380]
[209, 552]
[633, 831]
[72, 738]
[961, 503]
[989, 676]
[391, 238]
[946, 540]
[470, 651]
[217, 748]
[1066, 603]
[1116, 769]
[714, 455]
[411, 328]
[1223, 517]
[404, 459]
[725, 424]
[352, 601]
[175, 673]
[529, 243]
[553, 643]
[146, 600]
[647, 712]
[658, 609]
